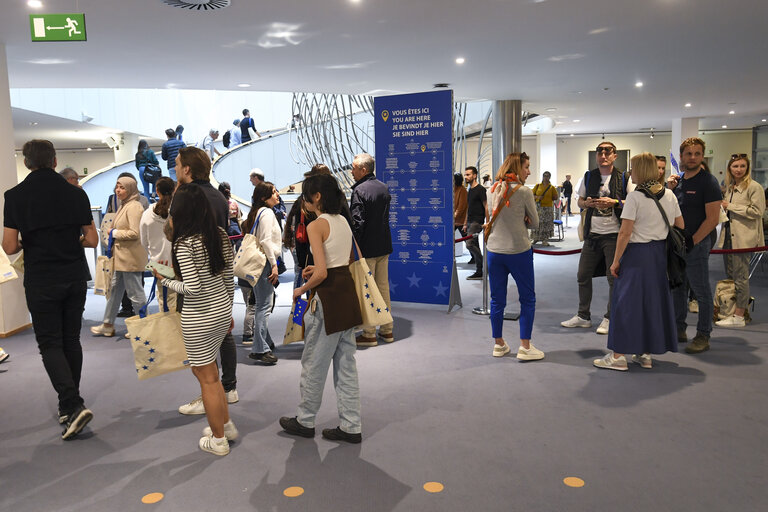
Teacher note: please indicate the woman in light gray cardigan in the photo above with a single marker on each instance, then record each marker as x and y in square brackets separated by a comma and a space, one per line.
[744, 202]
[513, 212]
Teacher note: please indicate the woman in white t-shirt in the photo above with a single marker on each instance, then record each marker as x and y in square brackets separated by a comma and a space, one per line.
[642, 314]
[152, 233]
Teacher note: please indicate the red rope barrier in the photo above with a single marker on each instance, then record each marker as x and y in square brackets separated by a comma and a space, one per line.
[738, 251]
[556, 253]
[236, 237]
[463, 238]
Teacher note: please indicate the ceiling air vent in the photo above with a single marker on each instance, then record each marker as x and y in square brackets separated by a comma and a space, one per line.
[199, 5]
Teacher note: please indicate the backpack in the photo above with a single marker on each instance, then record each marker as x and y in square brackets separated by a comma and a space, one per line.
[725, 301]
[225, 140]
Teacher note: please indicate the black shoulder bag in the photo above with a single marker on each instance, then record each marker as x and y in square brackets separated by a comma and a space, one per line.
[675, 247]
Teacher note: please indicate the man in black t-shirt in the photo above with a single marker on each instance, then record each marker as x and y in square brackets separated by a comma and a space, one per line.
[50, 214]
[567, 193]
[477, 214]
[699, 196]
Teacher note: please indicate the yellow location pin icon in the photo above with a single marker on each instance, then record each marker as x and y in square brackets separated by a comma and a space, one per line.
[385, 115]
[423, 148]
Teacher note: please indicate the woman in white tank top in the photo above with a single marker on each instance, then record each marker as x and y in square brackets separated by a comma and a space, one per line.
[332, 315]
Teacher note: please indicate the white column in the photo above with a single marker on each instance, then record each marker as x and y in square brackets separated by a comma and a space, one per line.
[546, 156]
[682, 128]
[14, 316]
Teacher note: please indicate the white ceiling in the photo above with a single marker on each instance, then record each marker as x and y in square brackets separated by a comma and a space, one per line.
[581, 58]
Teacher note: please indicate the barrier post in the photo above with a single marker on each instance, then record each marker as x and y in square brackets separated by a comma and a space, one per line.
[484, 310]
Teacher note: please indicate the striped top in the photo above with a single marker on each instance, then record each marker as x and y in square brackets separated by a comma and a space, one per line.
[207, 309]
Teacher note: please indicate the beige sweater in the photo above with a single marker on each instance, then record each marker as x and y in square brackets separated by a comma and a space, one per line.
[745, 207]
[129, 254]
[509, 234]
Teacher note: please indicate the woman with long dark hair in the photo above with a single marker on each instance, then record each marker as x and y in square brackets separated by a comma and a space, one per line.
[202, 261]
[268, 232]
[332, 315]
[152, 232]
[145, 156]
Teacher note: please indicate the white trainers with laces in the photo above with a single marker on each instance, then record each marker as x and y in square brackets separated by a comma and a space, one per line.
[644, 360]
[576, 321]
[230, 431]
[603, 328]
[208, 444]
[611, 363]
[732, 321]
[500, 350]
[529, 354]
[194, 407]
[232, 396]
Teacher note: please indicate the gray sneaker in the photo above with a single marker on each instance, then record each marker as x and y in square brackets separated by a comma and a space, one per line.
[576, 321]
[699, 344]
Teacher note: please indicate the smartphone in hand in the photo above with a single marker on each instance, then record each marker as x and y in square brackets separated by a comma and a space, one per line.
[161, 269]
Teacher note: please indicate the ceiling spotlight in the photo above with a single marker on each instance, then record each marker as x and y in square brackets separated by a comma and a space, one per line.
[243, 85]
[571, 135]
[732, 112]
[687, 105]
[577, 120]
[460, 60]
[638, 84]
[88, 149]
[651, 133]
[35, 4]
[725, 126]
[764, 120]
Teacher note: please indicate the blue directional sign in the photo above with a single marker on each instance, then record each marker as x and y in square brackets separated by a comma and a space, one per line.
[414, 157]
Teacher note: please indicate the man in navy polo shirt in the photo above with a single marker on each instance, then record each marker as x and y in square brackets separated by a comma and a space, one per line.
[50, 214]
[699, 196]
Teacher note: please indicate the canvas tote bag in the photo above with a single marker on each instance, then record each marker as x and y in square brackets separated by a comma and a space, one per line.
[372, 306]
[105, 269]
[250, 259]
[294, 330]
[157, 340]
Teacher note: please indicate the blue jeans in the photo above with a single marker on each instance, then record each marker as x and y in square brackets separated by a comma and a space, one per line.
[128, 282]
[520, 266]
[697, 274]
[319, 350]
[172, 173]
[264, 293]
[146, 185]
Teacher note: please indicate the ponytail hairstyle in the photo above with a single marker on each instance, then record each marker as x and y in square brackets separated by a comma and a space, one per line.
[192, 216]
[331, 196]
[164, 188]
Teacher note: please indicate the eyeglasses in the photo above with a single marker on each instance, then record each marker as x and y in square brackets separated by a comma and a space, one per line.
[608, 150]
[739, 155]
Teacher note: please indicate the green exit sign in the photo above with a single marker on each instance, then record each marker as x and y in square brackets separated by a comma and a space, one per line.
[57, 27]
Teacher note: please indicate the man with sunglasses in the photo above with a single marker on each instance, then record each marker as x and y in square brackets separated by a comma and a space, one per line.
[699, 196]
[601, 193]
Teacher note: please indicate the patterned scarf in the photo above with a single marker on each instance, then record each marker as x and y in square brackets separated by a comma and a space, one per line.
[654, 187]
[499, 190]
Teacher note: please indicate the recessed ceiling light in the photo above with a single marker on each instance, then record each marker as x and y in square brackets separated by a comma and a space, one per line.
[460, 60]
[577, 120]
[571, 135]
[35, 4]
[638, 84]
[551, 109]
[725, 126]
[732, 112]
[33, 123]
[764, 120]
[88, 149]
[355, 1]
[687, 105]
[243, 85]
[558, 122]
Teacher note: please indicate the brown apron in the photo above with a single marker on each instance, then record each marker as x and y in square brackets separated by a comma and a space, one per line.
[341, 308]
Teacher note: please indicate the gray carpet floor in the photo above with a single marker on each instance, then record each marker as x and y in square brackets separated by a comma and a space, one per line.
[497, 434]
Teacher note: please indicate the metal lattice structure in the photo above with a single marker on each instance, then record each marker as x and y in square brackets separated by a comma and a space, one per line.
[333, 128]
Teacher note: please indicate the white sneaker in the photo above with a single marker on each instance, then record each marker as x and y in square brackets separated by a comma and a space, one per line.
[546, 244]
[693, 306]
[732, 321]
[603, 329]
[529, 354]
[611, 363]
[500, 350]
[194, 407]
[644, 360]
[207, 444]
[4, 356]
[576, 321]
[232, 396]
[230, 431]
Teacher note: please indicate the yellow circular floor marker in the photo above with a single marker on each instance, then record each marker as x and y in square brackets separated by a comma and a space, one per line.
[153, 497]
[433, 487]
[572, 481]
[293, 492]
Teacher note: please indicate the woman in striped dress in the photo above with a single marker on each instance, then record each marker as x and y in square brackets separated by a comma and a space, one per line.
[202, 261]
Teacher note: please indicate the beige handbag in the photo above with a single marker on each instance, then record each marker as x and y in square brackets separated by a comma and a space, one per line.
[295, 331]
[372, 306]
[250, 259]
[105, 270]
[157, 341]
